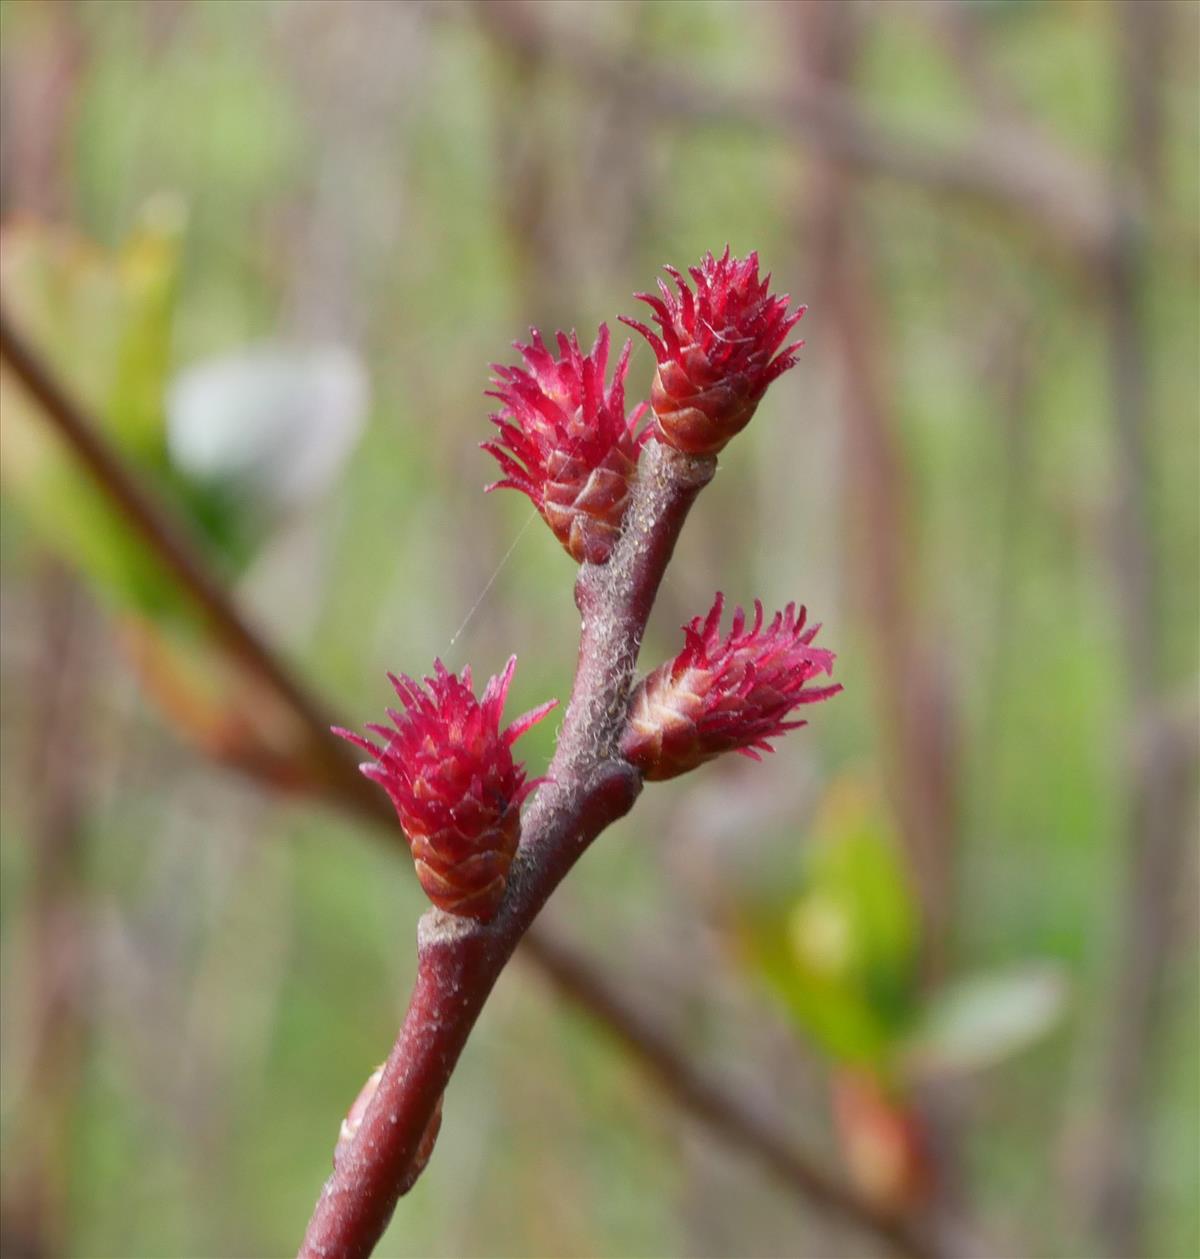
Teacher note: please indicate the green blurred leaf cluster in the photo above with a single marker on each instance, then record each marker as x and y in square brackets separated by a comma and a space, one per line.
[103, 322]
[840, 949]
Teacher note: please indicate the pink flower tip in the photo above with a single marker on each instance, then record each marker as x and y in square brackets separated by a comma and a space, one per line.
[566, 441]
[723, 694]
[449, 770]
[719, 345]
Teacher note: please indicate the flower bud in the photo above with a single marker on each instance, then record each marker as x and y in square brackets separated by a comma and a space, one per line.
[884, 1141]
[449, 771]
[719, 350]
[566, 443]
[721, 695]
[358, 1112]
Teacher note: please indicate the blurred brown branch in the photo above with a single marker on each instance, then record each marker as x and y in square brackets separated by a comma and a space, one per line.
[1005, 165]
[35, 1203]
[740, 1118]
[1161, 747]
[918, 708]
[713, 1103]
[167, 540]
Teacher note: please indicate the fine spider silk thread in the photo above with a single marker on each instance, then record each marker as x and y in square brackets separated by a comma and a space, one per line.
[504, 559]
[491, 581]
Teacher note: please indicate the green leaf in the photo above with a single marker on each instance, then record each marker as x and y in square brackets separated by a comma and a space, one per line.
[985, 1019]
[804, 958]
[103, 322]
[839, 947]
[148, 270]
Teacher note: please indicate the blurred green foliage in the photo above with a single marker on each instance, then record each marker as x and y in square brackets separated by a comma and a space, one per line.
[105, 323]
[840, 947]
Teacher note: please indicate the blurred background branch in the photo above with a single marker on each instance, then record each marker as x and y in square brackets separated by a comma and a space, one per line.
[1005, 165]
[1161, 748]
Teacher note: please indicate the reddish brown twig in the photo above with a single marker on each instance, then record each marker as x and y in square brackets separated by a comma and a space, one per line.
[714, 1104]
[591, 786]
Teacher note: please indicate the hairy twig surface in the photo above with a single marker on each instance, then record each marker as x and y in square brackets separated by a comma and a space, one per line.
[459, 960]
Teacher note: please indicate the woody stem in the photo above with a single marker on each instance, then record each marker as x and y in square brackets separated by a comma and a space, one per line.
[459, 959]
[711, 1101]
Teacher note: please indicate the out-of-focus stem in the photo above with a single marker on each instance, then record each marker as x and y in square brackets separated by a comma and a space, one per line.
[917, 713]
[168, 541]
[743, 1121]
[37, 1188]
[1008, 166]
[1160, 754]
[911, 690]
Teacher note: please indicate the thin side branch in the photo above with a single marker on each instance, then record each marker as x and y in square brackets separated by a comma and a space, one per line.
[743, 1121]
[154, 524]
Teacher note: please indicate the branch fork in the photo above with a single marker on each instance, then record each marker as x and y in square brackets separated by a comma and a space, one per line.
[459, 959]
[614, 611]
[616, 495]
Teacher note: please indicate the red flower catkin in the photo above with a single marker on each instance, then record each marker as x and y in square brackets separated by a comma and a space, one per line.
[718, 352]
[566, 442]
[449, 770]
[725, 694]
